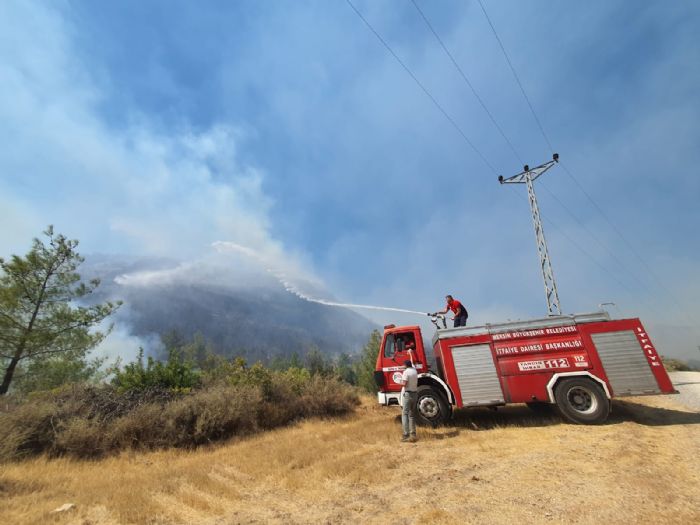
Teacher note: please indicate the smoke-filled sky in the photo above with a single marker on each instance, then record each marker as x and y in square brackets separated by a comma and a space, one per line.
[162, 127]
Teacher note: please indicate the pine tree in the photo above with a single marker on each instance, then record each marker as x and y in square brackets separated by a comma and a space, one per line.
[39, 317]
[364, 368]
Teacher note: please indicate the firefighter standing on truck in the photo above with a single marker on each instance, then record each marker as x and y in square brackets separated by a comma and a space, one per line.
[458, 309]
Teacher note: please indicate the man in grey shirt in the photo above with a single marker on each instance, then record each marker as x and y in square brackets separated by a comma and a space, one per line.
[409, 380]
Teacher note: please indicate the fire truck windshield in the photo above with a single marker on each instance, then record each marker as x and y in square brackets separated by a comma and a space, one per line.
[389, 347]
[399, 344]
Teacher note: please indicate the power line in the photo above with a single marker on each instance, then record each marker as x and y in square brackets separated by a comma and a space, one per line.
[517, 78]
[607, 219]
[467, 81]
[593, 236]
[612, 254]
[423, 88]
[600, 265]
[463, 135]
[630, 246]
[500, 129]
[527, 99]
[448, 117]
[588, 196]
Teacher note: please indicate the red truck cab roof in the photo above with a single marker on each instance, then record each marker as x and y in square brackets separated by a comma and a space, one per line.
[391, 329]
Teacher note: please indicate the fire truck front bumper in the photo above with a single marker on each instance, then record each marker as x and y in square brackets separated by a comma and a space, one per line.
[388, 398]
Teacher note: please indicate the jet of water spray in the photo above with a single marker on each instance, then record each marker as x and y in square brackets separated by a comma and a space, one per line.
[349, 305]
[290, 287]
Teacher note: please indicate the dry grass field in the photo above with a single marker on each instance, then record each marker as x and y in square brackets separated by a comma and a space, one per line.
[508, 466]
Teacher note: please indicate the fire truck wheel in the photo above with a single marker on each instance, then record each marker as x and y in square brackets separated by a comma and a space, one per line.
[581, 400]
[431, 407]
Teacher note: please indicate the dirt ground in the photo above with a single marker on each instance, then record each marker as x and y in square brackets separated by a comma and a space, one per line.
[688, 386]
[508, 466]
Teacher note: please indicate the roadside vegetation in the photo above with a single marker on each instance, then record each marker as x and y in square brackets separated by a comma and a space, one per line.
[58, 400]
[160, 405]
[190, 398]
[678, 365]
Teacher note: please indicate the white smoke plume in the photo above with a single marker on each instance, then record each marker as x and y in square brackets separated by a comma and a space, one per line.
[289, 284]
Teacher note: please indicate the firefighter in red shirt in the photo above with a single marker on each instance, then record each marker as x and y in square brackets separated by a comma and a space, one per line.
[458, 309]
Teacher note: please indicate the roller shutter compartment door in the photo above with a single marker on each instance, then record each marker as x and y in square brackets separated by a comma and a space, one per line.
[476, 374]
[625, 364]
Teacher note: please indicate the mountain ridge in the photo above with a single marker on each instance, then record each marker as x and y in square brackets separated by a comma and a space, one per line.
[239, 309]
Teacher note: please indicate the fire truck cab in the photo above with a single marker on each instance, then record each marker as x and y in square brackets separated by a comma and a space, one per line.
[577, 363]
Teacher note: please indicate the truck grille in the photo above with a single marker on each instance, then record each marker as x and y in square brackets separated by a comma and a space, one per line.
[476, 374]
[625, 364]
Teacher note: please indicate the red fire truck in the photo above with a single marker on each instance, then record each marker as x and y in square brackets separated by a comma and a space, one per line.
[577, 363]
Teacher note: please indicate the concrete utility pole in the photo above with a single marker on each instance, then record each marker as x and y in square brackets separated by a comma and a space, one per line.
[528, 176]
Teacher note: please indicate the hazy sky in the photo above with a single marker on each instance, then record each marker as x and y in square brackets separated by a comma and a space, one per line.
[161, 127]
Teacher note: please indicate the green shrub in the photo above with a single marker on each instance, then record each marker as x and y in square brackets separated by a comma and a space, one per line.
[175, 374]
[364, 367]
[53, 372]
[298, 379]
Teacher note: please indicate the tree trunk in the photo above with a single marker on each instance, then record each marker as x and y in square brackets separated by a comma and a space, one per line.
[9, 372]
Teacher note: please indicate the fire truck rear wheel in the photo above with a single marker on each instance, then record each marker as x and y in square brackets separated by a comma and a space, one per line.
[431, 406]
[581, 400]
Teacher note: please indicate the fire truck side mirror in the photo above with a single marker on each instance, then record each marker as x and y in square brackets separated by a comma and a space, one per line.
[379, 378]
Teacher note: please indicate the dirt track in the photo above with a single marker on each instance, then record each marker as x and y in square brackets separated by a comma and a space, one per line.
[508, 466]
[688, 384]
